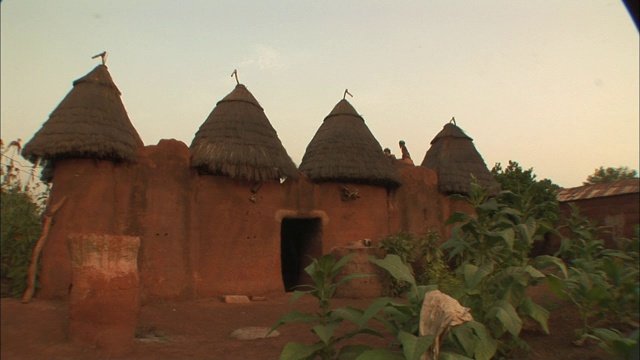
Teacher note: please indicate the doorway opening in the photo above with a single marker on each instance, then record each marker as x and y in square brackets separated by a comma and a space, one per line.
[300, 239]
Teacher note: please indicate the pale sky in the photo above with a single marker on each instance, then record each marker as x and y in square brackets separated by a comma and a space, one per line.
[552, 84]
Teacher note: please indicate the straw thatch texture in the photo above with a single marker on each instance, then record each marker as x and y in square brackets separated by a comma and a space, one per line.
[344, 150]
[237, 140]
[455, 158]
[90, 122]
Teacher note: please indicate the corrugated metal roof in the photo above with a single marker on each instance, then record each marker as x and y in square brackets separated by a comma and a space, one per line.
[621, 187]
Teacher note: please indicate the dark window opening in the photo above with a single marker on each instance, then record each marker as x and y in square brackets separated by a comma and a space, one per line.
[300, 239]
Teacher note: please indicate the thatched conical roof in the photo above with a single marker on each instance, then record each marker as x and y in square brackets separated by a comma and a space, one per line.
[90, 122]
[344, 150]
[455, 158]
[237, 140]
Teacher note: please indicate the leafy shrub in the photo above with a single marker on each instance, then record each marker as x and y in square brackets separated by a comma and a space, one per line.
[404, 246]
[492, 249]
[423, 257]
[617, 344]
[327, 321]
[19, 232]
[21, 208]
[431, 267]
[401, 319]
[469, 340]
[602, 283]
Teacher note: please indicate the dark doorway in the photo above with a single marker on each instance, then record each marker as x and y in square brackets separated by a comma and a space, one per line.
[299, 240]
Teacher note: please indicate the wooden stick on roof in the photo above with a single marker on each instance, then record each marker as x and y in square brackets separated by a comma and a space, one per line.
[102, 55]
[235, 73]
[346, 91]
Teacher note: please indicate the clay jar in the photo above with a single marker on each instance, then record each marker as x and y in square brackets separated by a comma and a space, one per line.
[103, 299]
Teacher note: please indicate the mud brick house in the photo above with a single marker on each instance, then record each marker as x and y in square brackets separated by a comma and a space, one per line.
[231, 213]
[614, 206]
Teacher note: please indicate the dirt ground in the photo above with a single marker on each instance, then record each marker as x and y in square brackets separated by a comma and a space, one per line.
[200, 330]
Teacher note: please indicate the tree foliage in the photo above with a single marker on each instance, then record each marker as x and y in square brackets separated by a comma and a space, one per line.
[19, 232]
[523, 192]
[610, 174]
[21, 208]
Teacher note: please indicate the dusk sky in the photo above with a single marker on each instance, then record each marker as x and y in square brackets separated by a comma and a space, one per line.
[552, 84]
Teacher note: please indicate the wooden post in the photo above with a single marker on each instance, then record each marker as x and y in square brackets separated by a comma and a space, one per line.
[33, 267]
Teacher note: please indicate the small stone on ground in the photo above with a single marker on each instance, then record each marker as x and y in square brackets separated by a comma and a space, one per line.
[252, 333]
[236, 299]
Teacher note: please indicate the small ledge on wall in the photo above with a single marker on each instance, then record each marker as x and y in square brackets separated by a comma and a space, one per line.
[347, 193]
[293, 214]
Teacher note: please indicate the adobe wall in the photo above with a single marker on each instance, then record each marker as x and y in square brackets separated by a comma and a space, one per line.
[97, 201]
[237, 237]
[619, 214]
[204, 236]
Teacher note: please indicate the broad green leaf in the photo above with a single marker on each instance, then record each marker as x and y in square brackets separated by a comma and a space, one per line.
[533, 272]
[489, 205]
[507, 315]
[342, 262]
[466, 337]
[457, 217]
[527, 230]
[293, 317]
[394, 265]
[597, 293]
[497, 238]
[377, 305]
[616, 254]
[486, 345]
[537, 313]
[380, 354]
[348, 313]
[325, 332]
[414, 346]
[351, 352]
[298, 351]
[544, 261]
[350, 277]
[446, 355]
[473, 275]
[297, 294]
[557, 286]
[359, 331]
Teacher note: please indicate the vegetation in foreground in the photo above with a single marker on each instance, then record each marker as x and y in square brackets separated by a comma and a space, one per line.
[21, 208]
[486, 266]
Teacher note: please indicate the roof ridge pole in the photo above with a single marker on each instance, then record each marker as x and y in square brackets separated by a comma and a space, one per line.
[235, 73]
[102, 55]
[346, 92]
[453, 120]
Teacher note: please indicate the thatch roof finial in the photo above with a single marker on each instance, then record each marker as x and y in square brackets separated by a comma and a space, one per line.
[346, 92]
[453, 120]
[235, 73]
[102, 55]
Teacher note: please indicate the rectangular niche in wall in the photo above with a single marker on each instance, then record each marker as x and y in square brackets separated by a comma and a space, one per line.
[300, 238]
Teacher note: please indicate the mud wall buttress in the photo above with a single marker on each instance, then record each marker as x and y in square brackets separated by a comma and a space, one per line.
[97, 202]
[239, 237]
[163, 191]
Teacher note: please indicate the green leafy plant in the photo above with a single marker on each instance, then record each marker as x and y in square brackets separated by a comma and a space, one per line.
[327, 321]
[431, 267]
[21, 207]
[469, 340]
[602, 283]
[19, 232]
[616, 343]
[401, 319]
[423, 257]
[492, 249]
[404, 245]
